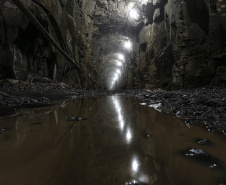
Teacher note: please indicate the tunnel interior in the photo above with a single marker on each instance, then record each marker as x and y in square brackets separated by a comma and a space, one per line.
[126, 92]
[116, 44]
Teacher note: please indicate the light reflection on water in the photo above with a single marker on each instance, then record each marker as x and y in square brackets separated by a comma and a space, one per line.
[109, 147]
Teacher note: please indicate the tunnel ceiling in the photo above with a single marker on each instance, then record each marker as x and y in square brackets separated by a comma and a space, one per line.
[116, 24]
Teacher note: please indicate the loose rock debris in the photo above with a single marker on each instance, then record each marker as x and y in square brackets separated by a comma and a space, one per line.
[205, 106]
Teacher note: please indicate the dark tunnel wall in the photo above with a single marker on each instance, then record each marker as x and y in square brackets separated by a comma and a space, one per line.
[24, 50]
[166, 38]
[188, 29]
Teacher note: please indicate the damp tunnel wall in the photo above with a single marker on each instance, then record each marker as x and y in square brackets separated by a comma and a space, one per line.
[166, 36]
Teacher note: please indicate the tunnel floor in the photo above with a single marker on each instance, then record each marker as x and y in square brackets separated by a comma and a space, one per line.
[108, 140]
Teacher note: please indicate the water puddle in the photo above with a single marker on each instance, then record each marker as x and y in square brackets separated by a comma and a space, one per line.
[108, 141]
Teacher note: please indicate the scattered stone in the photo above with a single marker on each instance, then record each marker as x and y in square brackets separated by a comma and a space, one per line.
[158, 90]
[206, 105]
[205, 141]
[156, 106]
[143, 103]
[202, 157]
[4, 129]
[12, 80]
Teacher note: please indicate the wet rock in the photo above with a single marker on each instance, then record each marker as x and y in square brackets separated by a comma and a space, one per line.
[203, 157]
[156, 14]
[143, 103]
[75, 118]
[2, 130]
[205, 142]
[156, 106]
[12, 80]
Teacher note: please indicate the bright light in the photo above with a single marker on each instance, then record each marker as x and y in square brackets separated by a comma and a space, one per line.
[120, 118]
[122, 124]
[118, 71]
[133, 14]
[128, 45]
[120, 56]
[128, 136]
[116, 75]
[135, 165]
[119, 63]
[115, 78]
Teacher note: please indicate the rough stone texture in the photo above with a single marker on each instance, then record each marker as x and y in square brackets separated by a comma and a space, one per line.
[24, 50]
[166, 37]
[187, 29]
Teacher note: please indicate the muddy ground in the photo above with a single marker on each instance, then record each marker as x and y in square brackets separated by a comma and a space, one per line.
[205, 106]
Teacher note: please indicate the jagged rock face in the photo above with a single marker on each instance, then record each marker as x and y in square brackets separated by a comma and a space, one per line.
[165, 36]
[175, 33]
[25, 50]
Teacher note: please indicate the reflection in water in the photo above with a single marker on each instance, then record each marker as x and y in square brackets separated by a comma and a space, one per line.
[118, 109]
[128, 135]
[110, 147]
[56, 116]
[135, 165]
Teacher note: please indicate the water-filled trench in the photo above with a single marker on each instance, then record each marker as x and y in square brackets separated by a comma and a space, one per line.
[107, 140]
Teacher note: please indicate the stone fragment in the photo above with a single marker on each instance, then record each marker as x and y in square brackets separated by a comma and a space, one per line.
[156, 14]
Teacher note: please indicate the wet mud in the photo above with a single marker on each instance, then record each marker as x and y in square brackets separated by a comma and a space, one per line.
[108, 140]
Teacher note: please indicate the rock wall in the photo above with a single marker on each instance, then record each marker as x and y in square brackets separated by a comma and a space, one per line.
[167, 38]
[25, 51]
[175, 32]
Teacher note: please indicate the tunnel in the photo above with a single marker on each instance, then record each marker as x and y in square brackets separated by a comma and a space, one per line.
[112, 92]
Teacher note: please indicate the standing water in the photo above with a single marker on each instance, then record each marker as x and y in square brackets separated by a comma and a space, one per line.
[107, 141]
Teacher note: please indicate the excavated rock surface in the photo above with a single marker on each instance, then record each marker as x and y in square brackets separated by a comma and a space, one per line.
[176, 32]
[24, 49]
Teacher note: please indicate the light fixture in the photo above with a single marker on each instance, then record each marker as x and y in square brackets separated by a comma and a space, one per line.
[128, 45]
[119, 63]
[118, 71]
[135, 165]
[134, 14]
[115, 78]
[121, 57]
[116, 75]
[128, 136]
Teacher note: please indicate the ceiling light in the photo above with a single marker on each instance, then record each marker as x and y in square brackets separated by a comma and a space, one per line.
[121, 57]
[128, 44]
[116, 75]
[115, 78]
[118, 71]
[119, 63]
[133, 14]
